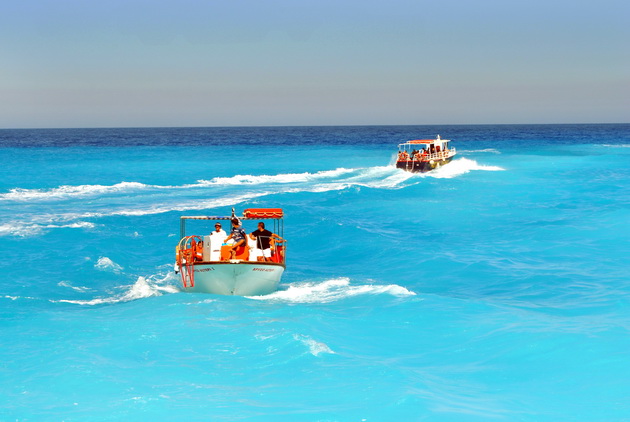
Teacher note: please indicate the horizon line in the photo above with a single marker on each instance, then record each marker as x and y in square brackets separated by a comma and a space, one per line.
[299, 126]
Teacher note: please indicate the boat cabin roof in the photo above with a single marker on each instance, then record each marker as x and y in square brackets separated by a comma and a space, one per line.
[248, 214]
[421, 141]
[438, 141]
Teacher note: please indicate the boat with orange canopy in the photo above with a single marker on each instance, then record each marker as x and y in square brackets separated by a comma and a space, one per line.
[422, 155]
[206, 263]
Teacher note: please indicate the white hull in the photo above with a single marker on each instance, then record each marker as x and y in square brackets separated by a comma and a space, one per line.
[244, 278]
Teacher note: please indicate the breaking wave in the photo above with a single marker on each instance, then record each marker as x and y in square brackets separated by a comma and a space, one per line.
[330, 291]
[63, 192]
[35, 227]
[143, 287]
[458, 167]
[106, 264]
[76, 288]
[472, 151]
[314, 347]
[14, 298]
[32, 229]
[277, 178]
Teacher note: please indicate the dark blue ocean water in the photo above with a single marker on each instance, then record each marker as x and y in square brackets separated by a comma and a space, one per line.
[494, 288]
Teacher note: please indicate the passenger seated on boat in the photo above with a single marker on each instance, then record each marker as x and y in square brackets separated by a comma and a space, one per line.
[238, 235]
[198, 251]
[404, 156]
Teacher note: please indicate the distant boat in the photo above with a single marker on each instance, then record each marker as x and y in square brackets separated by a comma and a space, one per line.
[422, 155]
[205, 264]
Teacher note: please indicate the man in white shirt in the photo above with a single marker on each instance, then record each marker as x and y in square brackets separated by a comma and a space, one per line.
[216, 240]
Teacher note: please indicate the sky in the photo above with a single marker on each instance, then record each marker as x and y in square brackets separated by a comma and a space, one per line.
[141, 63]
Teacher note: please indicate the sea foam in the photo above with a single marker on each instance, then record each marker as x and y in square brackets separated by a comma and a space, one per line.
[64, 192]
[106, 264]
[276, 178]
[377, 177]
[143, 288]
[28, 229]
[315, 347]
[458, 167]
[330, 291]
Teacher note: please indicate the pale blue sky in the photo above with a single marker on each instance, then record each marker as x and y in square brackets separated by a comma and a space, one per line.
[115, 63]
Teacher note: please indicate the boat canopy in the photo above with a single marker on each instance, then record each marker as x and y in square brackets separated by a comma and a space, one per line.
[248, 214]
[275, 214]
[421, 141]
[263, 213]
[437, 142]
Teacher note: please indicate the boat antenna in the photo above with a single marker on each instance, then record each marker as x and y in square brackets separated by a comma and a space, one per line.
[234, 217]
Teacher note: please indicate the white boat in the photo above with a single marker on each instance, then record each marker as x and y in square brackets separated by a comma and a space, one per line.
[422, 155]
[205, 264]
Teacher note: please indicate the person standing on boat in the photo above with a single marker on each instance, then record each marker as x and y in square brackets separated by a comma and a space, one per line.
[238, 235]
[263, 238]
[217, 237]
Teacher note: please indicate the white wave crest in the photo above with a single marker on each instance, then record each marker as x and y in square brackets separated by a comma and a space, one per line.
[276, 178]
[69, 285]
[13, 298]
[186, 206]
[388, 179]
[490, 150]
[379, 177]
[458, 167]
[315, 347]
[31, 229]
[106, 264]
[142, 288]
[330, 291]
[66, 191]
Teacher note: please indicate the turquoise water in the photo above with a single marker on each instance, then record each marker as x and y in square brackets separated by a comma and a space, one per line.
[495, 288]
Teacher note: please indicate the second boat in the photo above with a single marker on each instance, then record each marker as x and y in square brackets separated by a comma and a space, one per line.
[422, 155]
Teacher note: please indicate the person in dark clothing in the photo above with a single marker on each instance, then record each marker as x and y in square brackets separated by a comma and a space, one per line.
[263, 238]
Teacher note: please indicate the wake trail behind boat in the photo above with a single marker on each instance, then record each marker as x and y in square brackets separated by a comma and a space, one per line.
[69, 192]
[67, 208]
